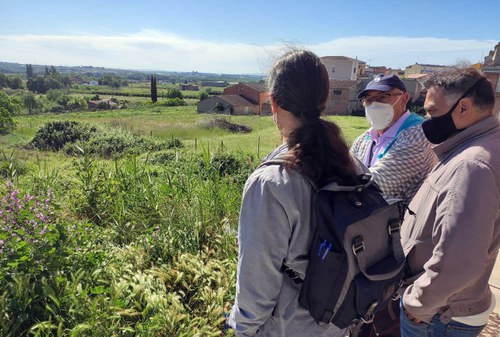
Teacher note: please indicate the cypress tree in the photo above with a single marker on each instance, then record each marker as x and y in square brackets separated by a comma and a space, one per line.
[154, 93]
[29, 71]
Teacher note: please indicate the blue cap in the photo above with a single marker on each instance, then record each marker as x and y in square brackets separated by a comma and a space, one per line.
[383, 83]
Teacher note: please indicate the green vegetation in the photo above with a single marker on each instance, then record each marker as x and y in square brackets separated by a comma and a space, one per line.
[8, 109]
[122, 222]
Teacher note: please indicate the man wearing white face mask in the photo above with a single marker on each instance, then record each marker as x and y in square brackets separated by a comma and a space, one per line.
[398, 155]
[394, 148]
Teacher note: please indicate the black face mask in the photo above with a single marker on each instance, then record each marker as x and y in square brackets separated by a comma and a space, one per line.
[439, 129]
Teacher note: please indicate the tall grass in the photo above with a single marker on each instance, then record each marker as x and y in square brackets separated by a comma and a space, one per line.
[149, 248]
[140, 245]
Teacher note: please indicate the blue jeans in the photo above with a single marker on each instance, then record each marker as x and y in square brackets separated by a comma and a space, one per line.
[436, 328]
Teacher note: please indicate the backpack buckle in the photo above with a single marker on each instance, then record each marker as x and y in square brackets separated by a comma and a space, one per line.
[394, 226]
[368, 316]
[358, 245]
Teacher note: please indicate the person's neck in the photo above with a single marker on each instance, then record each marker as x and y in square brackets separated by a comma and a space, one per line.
[288, 124]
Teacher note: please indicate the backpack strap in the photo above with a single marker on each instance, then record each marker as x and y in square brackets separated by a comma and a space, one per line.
[279, 160]
[366, 179]
[358, 250]
[412, 120]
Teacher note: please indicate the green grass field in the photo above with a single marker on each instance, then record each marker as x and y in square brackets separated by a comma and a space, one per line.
[133, 245]
[182, 123]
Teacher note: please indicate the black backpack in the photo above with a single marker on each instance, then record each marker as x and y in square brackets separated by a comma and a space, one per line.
[356, 261]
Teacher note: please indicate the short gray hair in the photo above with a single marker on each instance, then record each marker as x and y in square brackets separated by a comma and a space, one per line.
[457, 81]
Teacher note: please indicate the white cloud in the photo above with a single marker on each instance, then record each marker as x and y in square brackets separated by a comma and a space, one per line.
[150, 49]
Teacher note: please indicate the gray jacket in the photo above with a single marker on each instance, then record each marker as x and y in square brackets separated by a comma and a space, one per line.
[455, 235]
[274, 227]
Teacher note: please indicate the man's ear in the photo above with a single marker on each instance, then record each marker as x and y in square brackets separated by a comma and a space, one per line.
[404, 101]
[464, 115]
[465, 107]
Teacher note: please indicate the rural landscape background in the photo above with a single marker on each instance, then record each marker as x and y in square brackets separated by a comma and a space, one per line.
[119, 204]
[121, 222]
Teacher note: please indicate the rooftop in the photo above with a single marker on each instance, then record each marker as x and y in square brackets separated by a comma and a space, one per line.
[235, 100]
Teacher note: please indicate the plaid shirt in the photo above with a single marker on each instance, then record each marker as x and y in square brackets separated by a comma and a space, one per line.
[403, 169]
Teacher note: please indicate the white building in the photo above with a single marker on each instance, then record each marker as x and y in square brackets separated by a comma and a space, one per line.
[343, 67]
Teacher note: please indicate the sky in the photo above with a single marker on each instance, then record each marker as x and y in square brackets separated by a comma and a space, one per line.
[244, 37]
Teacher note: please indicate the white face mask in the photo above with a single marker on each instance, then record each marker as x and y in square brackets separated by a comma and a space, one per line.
[379, 115]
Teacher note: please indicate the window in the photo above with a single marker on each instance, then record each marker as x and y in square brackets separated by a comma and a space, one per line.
[337, 92]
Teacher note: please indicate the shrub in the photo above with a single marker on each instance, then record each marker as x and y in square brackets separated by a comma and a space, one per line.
[55, 135]
[55, 95]
[7, 124]
[174, 93]
[236, 166]
[56, 108]
[223, 123]
[172, 102]
[118, 142]
[76, 103]
[418, 109]
[358, 113]
[160, 157]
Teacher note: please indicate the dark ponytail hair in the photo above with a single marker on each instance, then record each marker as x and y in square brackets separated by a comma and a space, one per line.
[299, 83]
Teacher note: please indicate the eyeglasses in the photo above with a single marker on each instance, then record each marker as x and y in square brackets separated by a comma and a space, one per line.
[381, 98]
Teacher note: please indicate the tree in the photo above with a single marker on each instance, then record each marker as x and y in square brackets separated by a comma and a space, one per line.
[8, 110]
[14, 82]
[3, 81]
[154, 92]
[37, 85]
[203, 95]
[462, 63]
[112, 80]
[219, 108]
[30, 102]
[29, 71]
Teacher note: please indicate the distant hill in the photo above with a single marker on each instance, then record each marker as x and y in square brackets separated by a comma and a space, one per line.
[140, 75]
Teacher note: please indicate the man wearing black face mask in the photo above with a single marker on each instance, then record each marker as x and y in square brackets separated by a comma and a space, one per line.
[453, 238]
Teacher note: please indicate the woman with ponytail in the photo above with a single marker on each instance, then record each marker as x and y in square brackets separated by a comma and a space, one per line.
[275, 221]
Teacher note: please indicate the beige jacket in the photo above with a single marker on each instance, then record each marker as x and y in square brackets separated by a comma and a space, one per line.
[454, 236]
